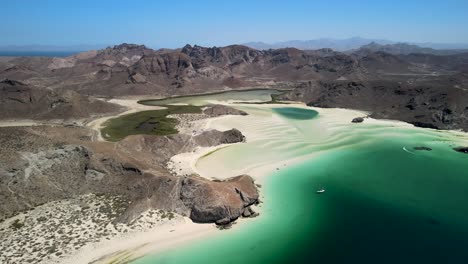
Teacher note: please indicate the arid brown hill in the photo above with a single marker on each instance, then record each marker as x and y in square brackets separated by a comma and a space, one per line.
[22, 101]
[129, 69]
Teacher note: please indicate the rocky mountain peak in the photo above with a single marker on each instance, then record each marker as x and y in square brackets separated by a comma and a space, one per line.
[186, 48]
[125, 46]
[127, 50]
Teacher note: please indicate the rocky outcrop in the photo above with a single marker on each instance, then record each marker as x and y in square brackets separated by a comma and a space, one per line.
[426, 103]
[422, 148]
[137, 78]
[357, 120]
[462, 149]
[36, 167]
[219, 110]
[215, 137]
[159, 149]
[218, 201]
[60, 63]
[40, 176]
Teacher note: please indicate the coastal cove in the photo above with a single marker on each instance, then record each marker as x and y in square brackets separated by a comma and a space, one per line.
[202, 132]
[387, 198]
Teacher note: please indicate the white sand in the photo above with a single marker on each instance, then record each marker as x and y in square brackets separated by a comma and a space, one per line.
[130, 247]
[256, 129]
[16, 123]
[77, 222]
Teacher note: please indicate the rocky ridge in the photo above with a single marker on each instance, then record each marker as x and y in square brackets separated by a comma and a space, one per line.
[130, 69]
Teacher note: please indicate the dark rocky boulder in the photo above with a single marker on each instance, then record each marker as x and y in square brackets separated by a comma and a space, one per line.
[462, 149]
[215, 137]
[357, 120]
[422, 148]
[249, 212]
[219, 202]
[232, 136]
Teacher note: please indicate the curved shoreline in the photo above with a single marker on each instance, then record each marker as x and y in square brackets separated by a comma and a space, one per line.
[161, 240]
[331, 119]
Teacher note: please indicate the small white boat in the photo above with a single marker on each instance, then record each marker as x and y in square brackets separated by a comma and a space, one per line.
[321, 190]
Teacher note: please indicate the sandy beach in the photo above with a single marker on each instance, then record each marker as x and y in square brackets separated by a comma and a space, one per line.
[179, 233]
[125, 248]
[258, 129]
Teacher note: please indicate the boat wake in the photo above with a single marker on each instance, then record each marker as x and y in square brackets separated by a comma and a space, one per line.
[404, 148]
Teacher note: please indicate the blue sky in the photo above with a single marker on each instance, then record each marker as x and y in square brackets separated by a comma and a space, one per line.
[173, 23]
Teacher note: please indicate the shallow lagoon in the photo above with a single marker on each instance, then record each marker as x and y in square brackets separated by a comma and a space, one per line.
[385, 202]
[252, 95]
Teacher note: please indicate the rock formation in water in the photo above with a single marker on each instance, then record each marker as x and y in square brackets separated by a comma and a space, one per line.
[422, 148]
[426, 90]
[391, 86]
[218, 201]
[462, 149]
[49, 163]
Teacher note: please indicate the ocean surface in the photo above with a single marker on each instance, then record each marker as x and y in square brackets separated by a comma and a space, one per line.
[38, 53]
[385, 201]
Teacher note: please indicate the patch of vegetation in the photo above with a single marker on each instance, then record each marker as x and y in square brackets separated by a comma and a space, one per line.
[169, 215]
[41, 219]
[152, 122]
[17, 224]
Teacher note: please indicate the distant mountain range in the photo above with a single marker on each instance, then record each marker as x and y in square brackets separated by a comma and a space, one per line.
[405, 49]
[344, 44]
[424, 89]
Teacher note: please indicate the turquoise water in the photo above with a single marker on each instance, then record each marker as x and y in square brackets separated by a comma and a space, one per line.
[296, 113]
[385, 202]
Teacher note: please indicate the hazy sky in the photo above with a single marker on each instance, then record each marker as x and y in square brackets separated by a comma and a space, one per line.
[173, 23]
